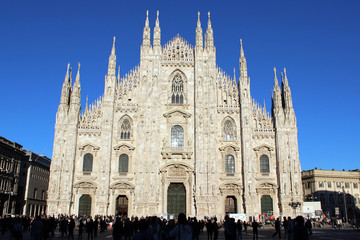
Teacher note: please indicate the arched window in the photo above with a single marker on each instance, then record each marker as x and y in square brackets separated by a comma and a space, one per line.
[177, 90]
[264, 164]
[228, 130]
[125, 129]
[229, 164]
[177, 136]
[123, 163]
[88, 162]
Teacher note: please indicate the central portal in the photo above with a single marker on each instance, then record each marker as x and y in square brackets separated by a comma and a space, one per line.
[176, 199]
[122, 206]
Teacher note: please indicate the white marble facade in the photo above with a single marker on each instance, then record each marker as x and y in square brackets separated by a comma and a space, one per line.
[177, 119]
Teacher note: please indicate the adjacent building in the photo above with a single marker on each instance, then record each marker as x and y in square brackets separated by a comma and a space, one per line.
[175, 134]
[11, 156]
[34, 183]
[24, 179]
[338, 191]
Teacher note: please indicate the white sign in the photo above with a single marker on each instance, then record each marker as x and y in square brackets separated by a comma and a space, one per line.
[238, 216]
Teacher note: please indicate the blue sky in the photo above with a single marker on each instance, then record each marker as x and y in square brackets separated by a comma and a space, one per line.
[317, 42]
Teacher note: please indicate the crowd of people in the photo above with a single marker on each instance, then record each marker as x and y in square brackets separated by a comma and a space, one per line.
[149, 228]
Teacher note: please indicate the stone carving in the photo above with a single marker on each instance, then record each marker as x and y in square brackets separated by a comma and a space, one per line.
[177, 171]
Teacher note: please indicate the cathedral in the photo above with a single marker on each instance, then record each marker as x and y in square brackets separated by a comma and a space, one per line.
[175, 134]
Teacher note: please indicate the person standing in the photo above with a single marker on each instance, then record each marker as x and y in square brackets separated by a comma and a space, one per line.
[239, 229]
[71, 229]
[209, 229]
[277, 228]
[90, 229]
[255, 226]
[182, 230]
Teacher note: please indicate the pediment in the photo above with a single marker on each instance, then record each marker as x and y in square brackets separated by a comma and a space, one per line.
[269, 148]
[85, 185]
[223, 148]
[89, 147]
[177, 112]
[122, 185]
[123, 147]
[267, 185]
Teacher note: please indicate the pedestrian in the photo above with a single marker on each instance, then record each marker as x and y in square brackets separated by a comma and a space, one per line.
[90, 229]
[143, 233]
[239, 229]
[308, 226]
[71, 229]
[255, 226]
[182, 230]
[37, 229]
[96, 226]
[81, 226]
[215, 229]
[277, 228]
[209, 229]
[300, 232]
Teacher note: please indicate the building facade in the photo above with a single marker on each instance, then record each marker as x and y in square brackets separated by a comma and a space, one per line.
[338, 191]
[11, 155]
[34, 181]
[175, 134]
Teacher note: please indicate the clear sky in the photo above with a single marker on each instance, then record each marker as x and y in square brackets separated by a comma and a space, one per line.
[317, 41]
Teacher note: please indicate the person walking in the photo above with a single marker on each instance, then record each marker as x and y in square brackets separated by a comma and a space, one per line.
[277, 228]
[239, 229]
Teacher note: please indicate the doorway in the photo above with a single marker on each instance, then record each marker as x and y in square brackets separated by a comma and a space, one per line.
[176, 199]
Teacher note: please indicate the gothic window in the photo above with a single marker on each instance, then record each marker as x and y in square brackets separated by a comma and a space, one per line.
[228, 130]
[229, 164]
[264, 164]
[177, 90]
[88, 162]
[123, 163]
[177, 136]
[125, 129]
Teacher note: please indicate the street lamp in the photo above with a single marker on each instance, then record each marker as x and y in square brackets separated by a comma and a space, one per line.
[294, 205]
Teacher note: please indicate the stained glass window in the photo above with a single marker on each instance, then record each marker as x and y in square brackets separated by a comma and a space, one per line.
[123, 163]
[229, 164]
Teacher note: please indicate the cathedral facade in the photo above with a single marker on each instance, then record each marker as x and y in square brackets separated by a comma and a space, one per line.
[175, 134]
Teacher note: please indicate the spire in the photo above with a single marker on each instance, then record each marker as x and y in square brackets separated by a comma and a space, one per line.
[276, 83]
[234, 75]
[199, 34]
[157, 31]
[209, 42]
[286, 91]
[118, 76]
[76, 90]
[65, 91]
[242, 63]
[113, 47]
[286, 80]
[87, 106]
[78, 74]
[112, 60]
[146, 34]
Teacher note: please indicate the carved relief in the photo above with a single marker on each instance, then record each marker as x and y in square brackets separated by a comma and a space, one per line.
[177, 171]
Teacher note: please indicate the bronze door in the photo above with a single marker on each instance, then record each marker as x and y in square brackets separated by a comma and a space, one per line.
[85, 205]
[122, 206]
[266, 205]
[176, 199]
[230, 205]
